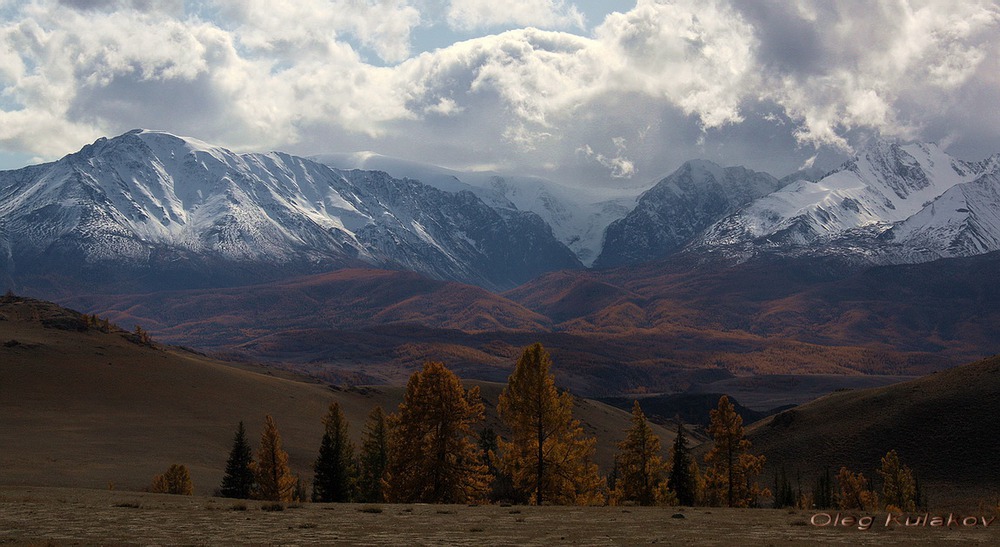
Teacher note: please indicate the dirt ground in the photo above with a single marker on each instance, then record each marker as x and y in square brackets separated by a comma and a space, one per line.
[63, 516]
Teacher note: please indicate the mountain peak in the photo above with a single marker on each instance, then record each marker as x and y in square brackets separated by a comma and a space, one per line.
[159, 139]
[703, 167]
[139, 144]
[678, 208]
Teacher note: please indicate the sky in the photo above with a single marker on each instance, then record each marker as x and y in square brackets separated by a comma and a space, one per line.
[584, 92]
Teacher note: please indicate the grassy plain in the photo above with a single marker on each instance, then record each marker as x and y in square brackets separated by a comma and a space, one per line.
[78, 516]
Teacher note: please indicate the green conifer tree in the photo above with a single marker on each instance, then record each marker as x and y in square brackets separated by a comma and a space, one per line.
[823, 491]
[334, 477]
[238, 481]
[784, 495]
[681, 479]
[374, 458]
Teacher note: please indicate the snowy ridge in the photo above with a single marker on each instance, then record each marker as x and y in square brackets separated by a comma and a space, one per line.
[891, 204]
[146, 195]
[148, 204]
[964, 221]
[578, 217]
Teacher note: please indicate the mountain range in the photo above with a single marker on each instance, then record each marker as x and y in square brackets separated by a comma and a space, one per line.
[578, 216]
[881, 266]
[148, 210]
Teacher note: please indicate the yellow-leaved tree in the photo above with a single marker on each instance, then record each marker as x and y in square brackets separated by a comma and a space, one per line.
[731, 474]
[854, 492]
[641, 471]
[546, 454]
[433, 455]
[274, 480]
[176, 480]
[899, 488]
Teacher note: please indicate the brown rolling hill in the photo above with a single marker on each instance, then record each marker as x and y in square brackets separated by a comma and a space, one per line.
[650, 328]
[342, 299]
[84, 408]
[942, 425]
[947, 306]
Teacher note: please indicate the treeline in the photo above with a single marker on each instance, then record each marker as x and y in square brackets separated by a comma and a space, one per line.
[429, 451]
[94, 322]
[73, 321]
[900, 489]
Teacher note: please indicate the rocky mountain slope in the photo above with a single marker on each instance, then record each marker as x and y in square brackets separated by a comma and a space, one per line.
[679, 208]
[892, 204]
[153, 210]
[578, 216]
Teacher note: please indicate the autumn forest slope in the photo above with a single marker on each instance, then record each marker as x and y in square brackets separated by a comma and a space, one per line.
[649, 328]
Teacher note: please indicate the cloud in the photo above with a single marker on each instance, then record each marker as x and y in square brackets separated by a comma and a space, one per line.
[768, 83]
[889, 66]
[696, 54]
[470, 15]
[74, 75]
[619, 166]
[169, 6]
[293, 28]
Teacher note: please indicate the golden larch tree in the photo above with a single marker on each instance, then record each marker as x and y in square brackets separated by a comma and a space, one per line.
[899, 488]
[853, 491]
[275, 481]
[641, 470]
[176, 480]
[547, 455]
[731, 473]
[433, 456]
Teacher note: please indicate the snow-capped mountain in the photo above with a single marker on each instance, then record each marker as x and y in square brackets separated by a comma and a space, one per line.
[578, 216]
[890, 204]
[151, 203]
[964, 221]
[679, 208]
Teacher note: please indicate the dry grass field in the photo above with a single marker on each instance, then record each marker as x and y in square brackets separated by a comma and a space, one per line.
[88, 409]
[76, 516]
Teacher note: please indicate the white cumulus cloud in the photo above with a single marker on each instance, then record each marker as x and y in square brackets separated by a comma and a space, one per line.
[766, 83]
[296, 28]
[697, 54]
[483, 14]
